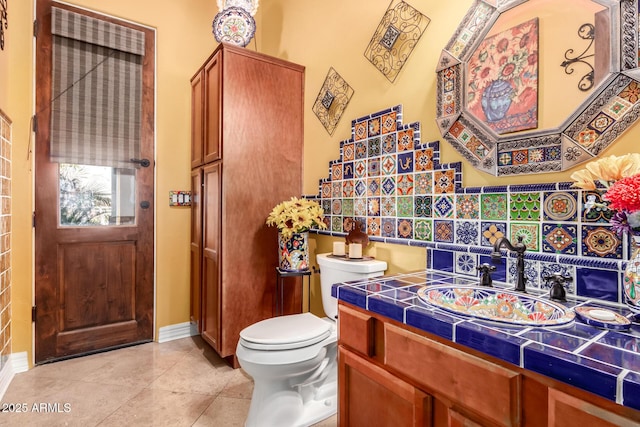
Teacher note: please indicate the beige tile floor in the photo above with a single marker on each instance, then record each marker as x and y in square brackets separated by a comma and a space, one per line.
[177, 383]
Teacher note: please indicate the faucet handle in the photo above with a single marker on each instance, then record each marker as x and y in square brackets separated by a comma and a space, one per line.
[486, 270]
[557, 281]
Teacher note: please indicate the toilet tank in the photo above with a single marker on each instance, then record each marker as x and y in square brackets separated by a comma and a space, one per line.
[337, 270]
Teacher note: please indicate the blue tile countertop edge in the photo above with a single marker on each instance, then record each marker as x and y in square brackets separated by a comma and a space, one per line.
[603, 362]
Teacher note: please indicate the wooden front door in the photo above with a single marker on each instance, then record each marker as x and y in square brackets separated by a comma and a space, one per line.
[94, 224]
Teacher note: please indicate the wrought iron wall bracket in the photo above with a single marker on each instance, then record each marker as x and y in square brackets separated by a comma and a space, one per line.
[585, 32]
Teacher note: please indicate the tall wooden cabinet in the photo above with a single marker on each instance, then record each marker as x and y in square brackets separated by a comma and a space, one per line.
[247, 147]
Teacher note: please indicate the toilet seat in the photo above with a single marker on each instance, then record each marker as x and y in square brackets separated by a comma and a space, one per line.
[285, 332]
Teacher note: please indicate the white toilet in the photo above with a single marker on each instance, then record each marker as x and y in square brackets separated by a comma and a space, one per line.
[292, 359]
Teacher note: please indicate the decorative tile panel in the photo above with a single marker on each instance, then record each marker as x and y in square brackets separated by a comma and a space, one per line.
[396, 187]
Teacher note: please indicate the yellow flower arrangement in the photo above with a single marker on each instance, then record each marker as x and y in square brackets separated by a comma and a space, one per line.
[607, 170]
[296, 216]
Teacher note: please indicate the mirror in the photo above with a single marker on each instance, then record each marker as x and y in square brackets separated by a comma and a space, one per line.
[531, 86]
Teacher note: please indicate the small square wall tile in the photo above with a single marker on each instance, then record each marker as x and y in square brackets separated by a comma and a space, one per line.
[423, 206]
[560, 238]
[373, 147]
[493, 206]
[443, 206]
[360, 168]
[361, 150]
[443, 231]
[388, 186]
[441, 260]
[373, 226]
[467, 233]
[424, 160]
[467, 206]
[596, 283]
[423, 229]
[600, 241]
[348, 152]
[360, 187]
[373, 167]
[405, 162]
[597, 213]
[444, 181]
[360, 206]
[348, 189]
[492, 231]
[560, 206]
[405, 140]
[466, 263]
[405, 228]
[388, 164]
[388, 143]
[373, 186]
[347, 207]
[524, 206]
[404, 206]
[423, 183]
[530, 233]
[336, 207]
[404, 185]
[388, 206]
[336, 223]
[388, 227]
[373, 206]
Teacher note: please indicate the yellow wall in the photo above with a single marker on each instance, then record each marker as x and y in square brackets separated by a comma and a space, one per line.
[317, 34]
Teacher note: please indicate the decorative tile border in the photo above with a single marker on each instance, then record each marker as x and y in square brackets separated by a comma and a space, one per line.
[396, 188]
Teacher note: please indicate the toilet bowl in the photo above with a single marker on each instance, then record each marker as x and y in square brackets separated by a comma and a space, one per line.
[293, 359]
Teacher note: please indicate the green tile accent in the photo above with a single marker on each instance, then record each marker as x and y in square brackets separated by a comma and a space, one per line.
[525, 206]
[493, 207]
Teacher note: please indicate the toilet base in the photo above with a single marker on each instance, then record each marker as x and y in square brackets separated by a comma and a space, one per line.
[282, 405]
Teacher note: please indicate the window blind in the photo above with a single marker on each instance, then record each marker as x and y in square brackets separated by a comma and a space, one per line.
[96, 91]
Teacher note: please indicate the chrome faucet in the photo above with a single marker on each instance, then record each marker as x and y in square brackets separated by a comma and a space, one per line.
[519, 248]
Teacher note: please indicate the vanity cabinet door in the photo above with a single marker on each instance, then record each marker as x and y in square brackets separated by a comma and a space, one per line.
[211, 228]
[569, 411]
[370, 396]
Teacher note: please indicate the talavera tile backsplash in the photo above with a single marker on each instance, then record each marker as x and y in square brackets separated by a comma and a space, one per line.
[396, 188]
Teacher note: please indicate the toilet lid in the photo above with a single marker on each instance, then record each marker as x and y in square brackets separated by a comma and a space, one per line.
[286, 332]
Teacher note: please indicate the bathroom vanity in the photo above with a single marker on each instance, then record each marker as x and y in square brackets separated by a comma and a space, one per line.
[404, 363]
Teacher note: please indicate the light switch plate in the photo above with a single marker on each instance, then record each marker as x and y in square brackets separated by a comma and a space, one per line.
[179, 198]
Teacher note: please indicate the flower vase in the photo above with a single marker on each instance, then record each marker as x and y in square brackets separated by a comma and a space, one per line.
[293, 252]
[496, 100]
[631, 280]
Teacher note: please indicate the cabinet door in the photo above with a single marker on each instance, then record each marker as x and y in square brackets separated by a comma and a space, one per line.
[195, 309]
[370, 396]
[197, 115]
[212, 93]
[211, 201]
[569, 411]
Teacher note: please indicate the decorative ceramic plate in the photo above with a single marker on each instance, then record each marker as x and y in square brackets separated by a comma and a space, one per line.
[250, 6]
[234, 25]
[602, 318]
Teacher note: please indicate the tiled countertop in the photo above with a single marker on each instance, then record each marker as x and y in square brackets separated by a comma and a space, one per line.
[604, 362]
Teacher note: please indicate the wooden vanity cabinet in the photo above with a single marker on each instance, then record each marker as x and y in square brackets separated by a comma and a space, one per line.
[392, 375]
[247, 144]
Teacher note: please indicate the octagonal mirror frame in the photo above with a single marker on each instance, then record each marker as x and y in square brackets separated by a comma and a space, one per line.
[590, 128]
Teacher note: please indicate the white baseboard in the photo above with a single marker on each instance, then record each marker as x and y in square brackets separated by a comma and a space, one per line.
[175, 332]
[16, 363]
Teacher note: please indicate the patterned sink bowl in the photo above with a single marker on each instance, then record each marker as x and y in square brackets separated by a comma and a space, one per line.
[496, 305]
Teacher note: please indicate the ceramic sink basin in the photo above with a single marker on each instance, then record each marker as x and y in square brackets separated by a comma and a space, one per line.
[497, 305]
